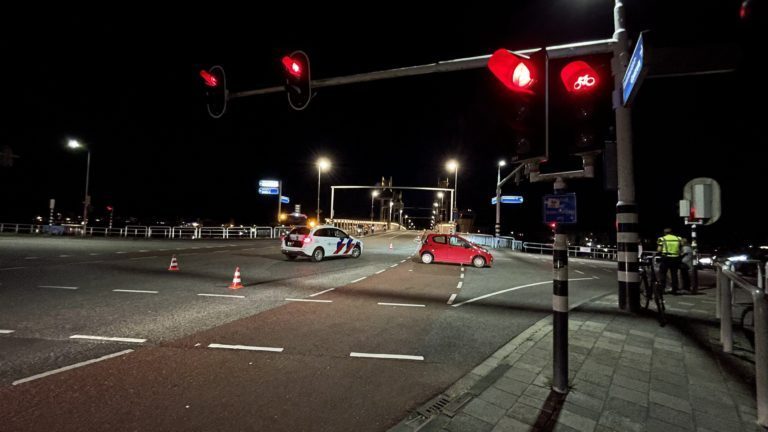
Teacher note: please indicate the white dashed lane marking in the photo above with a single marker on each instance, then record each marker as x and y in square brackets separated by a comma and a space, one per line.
[222, 295]
[402, 304]
[244, 347]
[57, 287]
[386, 356]
[309, 300]
[108, 338]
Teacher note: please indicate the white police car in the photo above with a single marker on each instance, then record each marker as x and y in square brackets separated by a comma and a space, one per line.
[320, 242]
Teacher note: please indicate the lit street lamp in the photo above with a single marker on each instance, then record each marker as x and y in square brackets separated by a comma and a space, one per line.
[452, 165]
[374, 194]
[322, 165]
[75, 144]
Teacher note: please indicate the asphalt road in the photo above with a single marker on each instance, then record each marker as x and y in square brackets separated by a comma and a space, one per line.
[341, 345]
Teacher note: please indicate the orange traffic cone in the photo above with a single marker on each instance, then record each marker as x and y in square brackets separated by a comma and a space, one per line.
[236, 280]
[174, 264]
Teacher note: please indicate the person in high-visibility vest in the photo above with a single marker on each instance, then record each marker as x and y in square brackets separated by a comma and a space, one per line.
[669, 246]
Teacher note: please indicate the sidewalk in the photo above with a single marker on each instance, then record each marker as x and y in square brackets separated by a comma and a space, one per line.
[626, 373]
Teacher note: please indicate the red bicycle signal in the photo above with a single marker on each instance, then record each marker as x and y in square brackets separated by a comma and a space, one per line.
[579, 77]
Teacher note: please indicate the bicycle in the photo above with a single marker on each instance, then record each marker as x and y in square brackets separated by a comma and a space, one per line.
[651, 289]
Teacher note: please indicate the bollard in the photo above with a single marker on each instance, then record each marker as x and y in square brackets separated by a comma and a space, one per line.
[726, 322]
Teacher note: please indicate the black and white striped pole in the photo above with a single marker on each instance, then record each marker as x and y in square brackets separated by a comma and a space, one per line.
[560, 305]
[626, 247]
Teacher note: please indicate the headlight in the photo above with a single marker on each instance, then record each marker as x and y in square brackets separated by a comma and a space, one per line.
[737, 258]
[706, 261]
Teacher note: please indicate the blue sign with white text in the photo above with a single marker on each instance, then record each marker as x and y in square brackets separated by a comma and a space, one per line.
[508, 199]
[635, 73]
[560, 208]
[285, 200]
[268, 191]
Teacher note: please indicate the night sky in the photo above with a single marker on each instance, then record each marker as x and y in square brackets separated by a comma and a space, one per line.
[125, 84]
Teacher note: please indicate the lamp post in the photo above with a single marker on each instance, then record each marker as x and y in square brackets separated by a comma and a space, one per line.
[75, 144]
[452, 165]
[374, 194]
[498, 198]
[322, 165]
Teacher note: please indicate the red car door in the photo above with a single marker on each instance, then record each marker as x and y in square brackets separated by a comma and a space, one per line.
[459, 252]
[439, 248]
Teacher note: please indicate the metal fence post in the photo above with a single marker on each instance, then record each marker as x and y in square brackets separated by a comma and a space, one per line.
[726, 321]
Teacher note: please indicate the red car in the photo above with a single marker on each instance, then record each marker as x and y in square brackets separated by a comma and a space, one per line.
[451, 248]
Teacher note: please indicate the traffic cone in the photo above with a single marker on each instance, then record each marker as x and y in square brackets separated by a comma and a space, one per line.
[390, 245]
[174, 264]
[236, 280]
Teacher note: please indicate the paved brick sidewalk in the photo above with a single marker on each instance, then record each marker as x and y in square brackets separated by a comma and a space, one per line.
[626, 372]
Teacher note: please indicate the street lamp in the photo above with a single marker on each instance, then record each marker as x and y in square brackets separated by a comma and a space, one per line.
[374, 194]
[322, 165]
[452, 165]
[498, 198]
[75, 144]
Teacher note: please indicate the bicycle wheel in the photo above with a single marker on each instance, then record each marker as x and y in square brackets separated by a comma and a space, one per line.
[658, 298]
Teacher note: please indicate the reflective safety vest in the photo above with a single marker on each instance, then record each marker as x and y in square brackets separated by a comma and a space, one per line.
[669, 245]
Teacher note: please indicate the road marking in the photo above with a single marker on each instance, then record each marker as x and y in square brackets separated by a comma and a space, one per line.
[381, 271]
[402, 261]
[64, 256]
[595, 277]
[107, 338]
[30, 258]
[459, 285]
[393, 265]
[12, 268]
[221, 295]
[358, 280]
[143, 250]
[453, 297]
[245, 347]
[410, 270]
[322, 292]
[309, 300]
[135, 291]
[512, 289]
[402, 304]
[57, 287]
[462, 276]
[94, 254]
[462, 268]
[6, 331]
[121, 252]
[66, 368]
[579, 271]
[386, 356]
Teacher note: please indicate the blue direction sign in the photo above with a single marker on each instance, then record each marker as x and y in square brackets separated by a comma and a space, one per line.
[285, 200]
[508, 199]
[633, 77]
[560, 208]
[269, 191]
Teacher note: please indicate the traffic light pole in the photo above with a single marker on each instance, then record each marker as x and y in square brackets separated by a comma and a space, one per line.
[626, 209]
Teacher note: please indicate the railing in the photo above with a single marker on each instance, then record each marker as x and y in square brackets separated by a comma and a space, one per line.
[573, 251]
[500, 242]
[157, 232]
[727, 280]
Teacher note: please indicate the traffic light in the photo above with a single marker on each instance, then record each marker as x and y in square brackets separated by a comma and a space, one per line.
[523, 108]
[581, 112]
[298, 83]
[216, 93]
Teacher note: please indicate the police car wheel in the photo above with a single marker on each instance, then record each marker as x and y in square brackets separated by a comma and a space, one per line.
[478, 262]
[427, 258]
[356, 252]
[318, 255]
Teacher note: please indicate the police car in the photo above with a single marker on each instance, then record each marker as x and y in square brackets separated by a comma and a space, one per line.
[320, 242]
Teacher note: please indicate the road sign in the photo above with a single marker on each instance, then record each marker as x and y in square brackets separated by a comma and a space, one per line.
[269, 191]
[508, 199]
[560, 208]
[285, 200]
[703, 194]
[636, 71]
[269, 183]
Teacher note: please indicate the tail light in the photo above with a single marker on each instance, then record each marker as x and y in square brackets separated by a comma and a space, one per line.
[307, 240]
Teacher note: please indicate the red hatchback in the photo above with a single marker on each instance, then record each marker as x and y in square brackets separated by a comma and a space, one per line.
[451, 248]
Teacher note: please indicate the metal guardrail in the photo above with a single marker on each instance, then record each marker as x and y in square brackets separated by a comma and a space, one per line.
[500, 242]
[141, 231]
[573, 251]
[727, 280]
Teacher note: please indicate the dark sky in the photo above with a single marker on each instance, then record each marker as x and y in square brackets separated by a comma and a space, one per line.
[125, 83]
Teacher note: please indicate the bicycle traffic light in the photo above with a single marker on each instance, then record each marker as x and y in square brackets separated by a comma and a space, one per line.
[524, 108]
[298, 83]
[580, 106]
[216, 93]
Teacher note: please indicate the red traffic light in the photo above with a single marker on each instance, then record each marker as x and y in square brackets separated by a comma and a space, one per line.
[579, 77]
[210, 80]
[553, 225]
[292, 66]
[514, 71]
[109, 208]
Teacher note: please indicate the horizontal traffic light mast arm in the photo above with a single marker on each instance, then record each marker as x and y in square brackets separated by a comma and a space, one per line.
[558, 51]
[394, 187]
